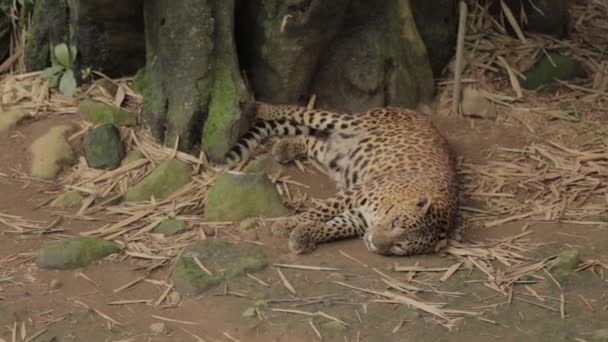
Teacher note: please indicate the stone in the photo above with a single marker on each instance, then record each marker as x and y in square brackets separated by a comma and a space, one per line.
[333, 328]
[249, 313]
[133, 156]
[474, 104]
[235, 197]
[159, 328]
[75, 252]
[168, 177]
[551, 67]
[565, 263]
[104, 148]
[600, 335]
[265, 165]
[235, 259]
[50, 153]
[174, 298]
[100, 113]
[55, 285]
[170, 227]
[335, 276]
[248, 223]
[68, 199]
[10, 119]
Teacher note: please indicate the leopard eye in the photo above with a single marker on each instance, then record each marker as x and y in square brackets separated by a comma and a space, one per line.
[395, 223]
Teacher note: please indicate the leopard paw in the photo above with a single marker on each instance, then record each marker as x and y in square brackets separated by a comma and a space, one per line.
[285, 151]
[284, 225]
[301, 241]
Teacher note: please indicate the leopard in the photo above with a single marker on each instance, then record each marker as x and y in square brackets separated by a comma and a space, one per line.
[395, 176]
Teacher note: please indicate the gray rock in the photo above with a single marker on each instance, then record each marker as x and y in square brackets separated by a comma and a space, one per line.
[235, 260]
[74, 252]
[104, 148]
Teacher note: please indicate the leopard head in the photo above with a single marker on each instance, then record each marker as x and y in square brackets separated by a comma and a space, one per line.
[404, 229]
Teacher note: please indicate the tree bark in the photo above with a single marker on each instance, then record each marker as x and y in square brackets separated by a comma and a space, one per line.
[281, 43]
[192, 75]
[378, 59]
[108, 34]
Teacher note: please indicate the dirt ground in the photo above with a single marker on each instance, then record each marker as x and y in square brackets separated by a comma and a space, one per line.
[41, 305]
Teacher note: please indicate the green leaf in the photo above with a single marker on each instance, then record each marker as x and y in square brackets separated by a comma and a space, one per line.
[67, 85]
[62, 54]
[73, 52]
[52, 71]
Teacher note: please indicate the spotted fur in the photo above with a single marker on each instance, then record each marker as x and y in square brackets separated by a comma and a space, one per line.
[395, 175]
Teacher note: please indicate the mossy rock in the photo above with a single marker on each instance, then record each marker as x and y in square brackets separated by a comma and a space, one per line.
[600, 335]
[168, 177]
[544, 71]
[133, 156]
[235, 197]
[68, 199]
[170, 227]
[10, 119]
[234, 260]
[265, 165]
[100, 113]
[104, 148]
[565, 263]
[333, 329]
[50, 153]
[75, 252]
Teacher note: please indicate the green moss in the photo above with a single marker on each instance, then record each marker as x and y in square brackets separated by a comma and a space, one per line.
[189, 279]
[68, 199]
[101, 113]
[133, 156]
[75, 252]
[237, 197]
[224, 102]
[235, 261]
[167, 178]
[170, 227]
[139, 81]
[552, 67]
[565, 263]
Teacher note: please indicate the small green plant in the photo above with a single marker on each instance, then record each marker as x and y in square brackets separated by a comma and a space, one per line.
[61, 71]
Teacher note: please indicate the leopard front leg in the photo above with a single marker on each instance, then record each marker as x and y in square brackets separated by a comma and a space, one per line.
[305, 238]
[299, 147]
[321, 212]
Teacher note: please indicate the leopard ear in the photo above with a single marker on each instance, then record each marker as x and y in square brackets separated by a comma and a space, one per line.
[423, 204]
[422, 201]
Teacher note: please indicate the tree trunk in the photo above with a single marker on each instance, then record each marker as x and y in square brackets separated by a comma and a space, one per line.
[5, 28]
[107, 33]
[352, 54]
[192, 74]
